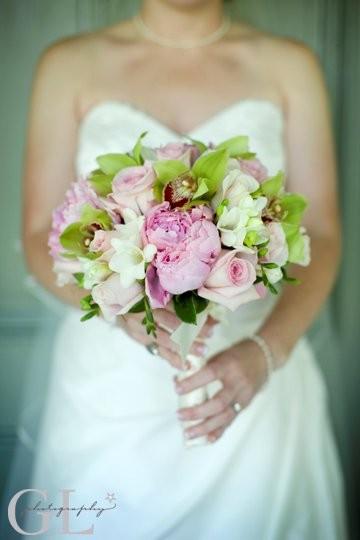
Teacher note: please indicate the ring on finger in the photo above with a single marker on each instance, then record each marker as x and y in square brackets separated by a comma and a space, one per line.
[153, 348]
[236, 407]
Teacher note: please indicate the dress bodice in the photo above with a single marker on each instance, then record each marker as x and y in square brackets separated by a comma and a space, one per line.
[113, 126]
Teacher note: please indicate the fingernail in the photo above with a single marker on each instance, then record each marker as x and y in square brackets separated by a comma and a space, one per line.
[211, 438]
[201, 348]
[180, 415]
[188, 435]
[178, 389]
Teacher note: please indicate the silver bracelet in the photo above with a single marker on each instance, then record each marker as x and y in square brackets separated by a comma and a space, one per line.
[270, 363]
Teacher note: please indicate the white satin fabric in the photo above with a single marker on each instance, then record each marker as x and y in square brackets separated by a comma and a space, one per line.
[110, 425]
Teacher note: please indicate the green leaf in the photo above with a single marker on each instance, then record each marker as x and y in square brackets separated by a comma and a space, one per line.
[293, 206]
[200, 303]
[169, 169]
[73, 237]
[236, 146]
[89, 315]
[202, 188]
[101, 182]
[272, 289]
[79, 276]
[139, 307]
[91, 215]
[184, 306]
[288, 279]
[248, 155]
[270, 265]
[212, 167]
[85, 302]
[199, 145]
[113, 163]
[136, 151]
[272, 186]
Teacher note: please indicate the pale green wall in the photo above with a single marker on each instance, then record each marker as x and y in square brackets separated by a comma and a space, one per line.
[332, 28]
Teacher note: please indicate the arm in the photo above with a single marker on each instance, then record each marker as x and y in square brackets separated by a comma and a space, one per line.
[49, 158]
[311, 172]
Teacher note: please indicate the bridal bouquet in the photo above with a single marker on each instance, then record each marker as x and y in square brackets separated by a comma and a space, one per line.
[190, 224]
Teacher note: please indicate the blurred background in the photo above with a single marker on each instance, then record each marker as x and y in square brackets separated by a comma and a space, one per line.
[28, 317]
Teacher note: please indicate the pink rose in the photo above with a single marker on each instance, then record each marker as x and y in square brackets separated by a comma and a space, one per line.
[132, 188]
[278, 251]
[231, 280]
[254, 168]
[204, 240]
[157, 295]
[114, 299]
[187, 153]
[180, 270]
[166, 228]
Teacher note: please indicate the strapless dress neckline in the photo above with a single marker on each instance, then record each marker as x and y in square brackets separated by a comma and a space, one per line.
[231, 108]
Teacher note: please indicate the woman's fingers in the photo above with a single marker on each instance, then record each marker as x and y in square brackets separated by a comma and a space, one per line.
[215, 435]
[211, 407]
[204, 376]
[167, 319]
[221, 420]
[164, 352]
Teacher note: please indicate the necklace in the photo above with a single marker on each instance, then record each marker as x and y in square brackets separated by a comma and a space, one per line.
[149, 34]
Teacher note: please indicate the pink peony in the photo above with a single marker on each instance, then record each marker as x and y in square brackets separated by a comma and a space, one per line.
[166, 228]
[187, 153]
[76, 196]
[254, 168]
[231, 280]
[114, 299]
[157, 295]
[278, 251]
[204, 240]
[201, 212]
[132, 188]
[180, 270]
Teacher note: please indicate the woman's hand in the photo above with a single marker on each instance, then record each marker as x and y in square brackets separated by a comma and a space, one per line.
[242, 371]
[167, 322]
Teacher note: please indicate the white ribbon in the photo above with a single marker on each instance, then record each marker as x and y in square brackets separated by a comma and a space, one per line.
[184, 336]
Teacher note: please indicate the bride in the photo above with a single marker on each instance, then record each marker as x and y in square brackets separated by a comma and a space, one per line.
[112, 430]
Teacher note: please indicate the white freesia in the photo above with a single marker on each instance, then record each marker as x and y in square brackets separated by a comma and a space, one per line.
[235, 185]
[235, 222]
[95, 271]
[273, 274]
[129, 260]
[130, 231]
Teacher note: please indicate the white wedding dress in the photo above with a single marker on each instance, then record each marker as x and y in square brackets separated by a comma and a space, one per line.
[110, 424]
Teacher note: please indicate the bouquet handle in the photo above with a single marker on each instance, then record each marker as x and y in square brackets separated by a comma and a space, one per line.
[195, 397]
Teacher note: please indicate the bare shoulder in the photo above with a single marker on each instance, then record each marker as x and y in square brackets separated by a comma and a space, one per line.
[294, 68]
[76, 54]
